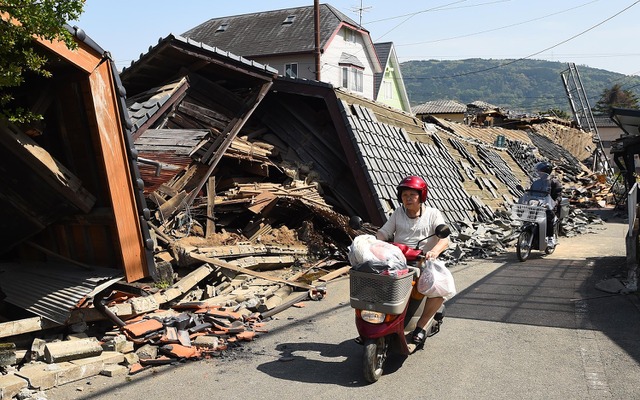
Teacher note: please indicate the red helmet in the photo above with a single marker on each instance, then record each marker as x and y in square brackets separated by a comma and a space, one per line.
[416, 183]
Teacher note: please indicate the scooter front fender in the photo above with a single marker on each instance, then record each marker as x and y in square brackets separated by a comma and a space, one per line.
[374, 331]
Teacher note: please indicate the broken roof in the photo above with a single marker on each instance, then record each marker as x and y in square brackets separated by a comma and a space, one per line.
[164, 61]
[440, 107]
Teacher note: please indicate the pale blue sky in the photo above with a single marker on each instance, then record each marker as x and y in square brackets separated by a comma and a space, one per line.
[421, 30]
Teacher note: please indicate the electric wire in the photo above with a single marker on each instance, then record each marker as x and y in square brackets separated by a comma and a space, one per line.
[538, 52]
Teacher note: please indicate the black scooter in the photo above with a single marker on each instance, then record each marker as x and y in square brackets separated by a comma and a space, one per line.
[531, 211]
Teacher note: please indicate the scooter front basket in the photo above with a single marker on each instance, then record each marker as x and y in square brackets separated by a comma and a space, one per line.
[383, 293]
[525, 212]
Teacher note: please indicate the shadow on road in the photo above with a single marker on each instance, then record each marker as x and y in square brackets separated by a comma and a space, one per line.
[558, 293]
[338, 364]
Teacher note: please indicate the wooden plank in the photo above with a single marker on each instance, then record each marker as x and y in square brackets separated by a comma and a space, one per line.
[211, 198]
[234, 128]
[171, 206]
[122, 196]
[334, 274]
[46, 167]
[223, 264]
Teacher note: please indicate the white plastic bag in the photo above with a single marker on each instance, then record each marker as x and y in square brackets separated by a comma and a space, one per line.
[367, 248]
[436, 280]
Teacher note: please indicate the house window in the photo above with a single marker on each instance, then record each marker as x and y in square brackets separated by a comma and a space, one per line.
[289, 20]
[349, 35]
[291, 70]
[223, 27]
[387, 90]
[352, 78]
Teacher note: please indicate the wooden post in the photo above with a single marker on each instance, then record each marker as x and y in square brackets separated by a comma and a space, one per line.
[211, 196]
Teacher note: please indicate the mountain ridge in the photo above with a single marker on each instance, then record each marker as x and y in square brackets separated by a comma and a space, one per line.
[521, 85]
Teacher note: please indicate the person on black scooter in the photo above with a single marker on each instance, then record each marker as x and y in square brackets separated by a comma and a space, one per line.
[410, 223]
[545, 183]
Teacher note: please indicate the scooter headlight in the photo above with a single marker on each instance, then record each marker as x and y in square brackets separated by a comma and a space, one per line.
[372, 317]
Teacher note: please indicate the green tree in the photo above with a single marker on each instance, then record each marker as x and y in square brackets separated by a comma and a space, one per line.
[615, 96]
[556, 112]
[20, 21]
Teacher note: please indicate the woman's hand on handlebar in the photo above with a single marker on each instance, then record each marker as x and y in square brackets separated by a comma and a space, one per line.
[430, 255]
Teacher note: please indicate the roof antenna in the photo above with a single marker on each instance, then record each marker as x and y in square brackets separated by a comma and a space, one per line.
[360, 10]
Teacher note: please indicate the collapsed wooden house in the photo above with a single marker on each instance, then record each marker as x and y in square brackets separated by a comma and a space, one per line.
[212, 158]
[72, 195]
[219, 167]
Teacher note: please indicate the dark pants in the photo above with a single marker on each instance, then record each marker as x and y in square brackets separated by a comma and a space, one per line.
[550, 217]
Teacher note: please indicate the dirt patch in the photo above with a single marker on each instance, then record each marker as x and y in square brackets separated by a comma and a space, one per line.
[280, 236]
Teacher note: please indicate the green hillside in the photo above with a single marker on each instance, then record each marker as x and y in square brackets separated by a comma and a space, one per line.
[524, 85]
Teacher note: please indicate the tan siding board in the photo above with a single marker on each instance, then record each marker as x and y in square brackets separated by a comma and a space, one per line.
[111, 138]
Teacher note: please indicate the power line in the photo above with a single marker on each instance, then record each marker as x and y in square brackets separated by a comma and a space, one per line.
[541, 51]
[500, 28]
[439, 8]
[416, 13]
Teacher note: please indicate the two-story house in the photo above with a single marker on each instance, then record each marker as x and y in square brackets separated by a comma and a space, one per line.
[341, 53]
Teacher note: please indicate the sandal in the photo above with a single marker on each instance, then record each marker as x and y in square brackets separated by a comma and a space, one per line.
[419, 336]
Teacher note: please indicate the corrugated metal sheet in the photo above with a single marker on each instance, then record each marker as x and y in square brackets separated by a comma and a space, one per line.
[52, 290]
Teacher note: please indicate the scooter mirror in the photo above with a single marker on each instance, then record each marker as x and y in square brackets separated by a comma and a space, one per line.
[443, 231]
[355, 222]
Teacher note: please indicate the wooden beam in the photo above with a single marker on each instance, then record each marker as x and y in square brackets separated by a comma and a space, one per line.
[211, 198]
[230, 135]
[223, 264]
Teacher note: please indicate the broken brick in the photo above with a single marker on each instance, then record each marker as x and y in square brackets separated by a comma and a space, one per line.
[135, 368]
[179, 351]
[246, 336]
[144, 327]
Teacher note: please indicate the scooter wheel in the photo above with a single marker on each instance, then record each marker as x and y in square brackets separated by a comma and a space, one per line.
[375, 354]
[523, 246]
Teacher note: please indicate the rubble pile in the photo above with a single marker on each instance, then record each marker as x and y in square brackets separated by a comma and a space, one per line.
[486, 240]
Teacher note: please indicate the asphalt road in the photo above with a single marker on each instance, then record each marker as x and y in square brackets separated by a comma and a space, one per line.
[533, 330]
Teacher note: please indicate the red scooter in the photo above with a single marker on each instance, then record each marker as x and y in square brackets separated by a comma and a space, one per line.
[387, 308]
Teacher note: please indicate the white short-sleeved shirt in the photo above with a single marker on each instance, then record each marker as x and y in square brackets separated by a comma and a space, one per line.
[402, 229]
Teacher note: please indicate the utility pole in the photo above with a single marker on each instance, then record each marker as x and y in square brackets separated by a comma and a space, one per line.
[316, 36]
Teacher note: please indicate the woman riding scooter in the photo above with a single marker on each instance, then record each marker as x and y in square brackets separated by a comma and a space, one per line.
[410, 223]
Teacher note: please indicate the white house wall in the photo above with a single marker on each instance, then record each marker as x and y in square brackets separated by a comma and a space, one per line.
[306, 64]
[331, 70]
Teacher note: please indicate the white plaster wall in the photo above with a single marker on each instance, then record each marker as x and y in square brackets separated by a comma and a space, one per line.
[306, 64]
[331, 71]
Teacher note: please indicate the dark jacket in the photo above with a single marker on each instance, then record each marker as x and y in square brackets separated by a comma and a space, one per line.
[549, 185]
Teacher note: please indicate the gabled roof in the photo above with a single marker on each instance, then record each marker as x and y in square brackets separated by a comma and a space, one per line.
[379, 150]
[382, 50]
[166, 59]
[269, 32]
[440, 107]
[387, 56]
[483, 105]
